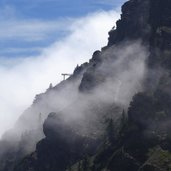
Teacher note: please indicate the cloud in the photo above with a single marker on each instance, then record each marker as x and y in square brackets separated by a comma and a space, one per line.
[31, 30]
[15, 27]
[21, 50]
[22, 78]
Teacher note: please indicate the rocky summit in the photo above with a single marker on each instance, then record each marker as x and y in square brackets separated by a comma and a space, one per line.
[113, 113]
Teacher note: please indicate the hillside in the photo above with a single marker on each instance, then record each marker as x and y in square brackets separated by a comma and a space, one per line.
[113, 113]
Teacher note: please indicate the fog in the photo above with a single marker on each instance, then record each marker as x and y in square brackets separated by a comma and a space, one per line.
[22, 78]
[122, 70]
[101, 90]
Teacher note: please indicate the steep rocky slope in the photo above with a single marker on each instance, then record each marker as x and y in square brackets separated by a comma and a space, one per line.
[113, 113]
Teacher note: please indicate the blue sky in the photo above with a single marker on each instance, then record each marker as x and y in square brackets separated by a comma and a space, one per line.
[51, 9]
[27, 26]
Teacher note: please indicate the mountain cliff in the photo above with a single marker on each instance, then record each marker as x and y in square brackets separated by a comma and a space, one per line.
[113, 113]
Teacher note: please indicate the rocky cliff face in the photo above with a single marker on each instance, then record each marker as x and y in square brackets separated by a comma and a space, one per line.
[134, 22]
[92, 131]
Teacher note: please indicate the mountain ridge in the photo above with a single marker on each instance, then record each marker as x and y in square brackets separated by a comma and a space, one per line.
[118, 114]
